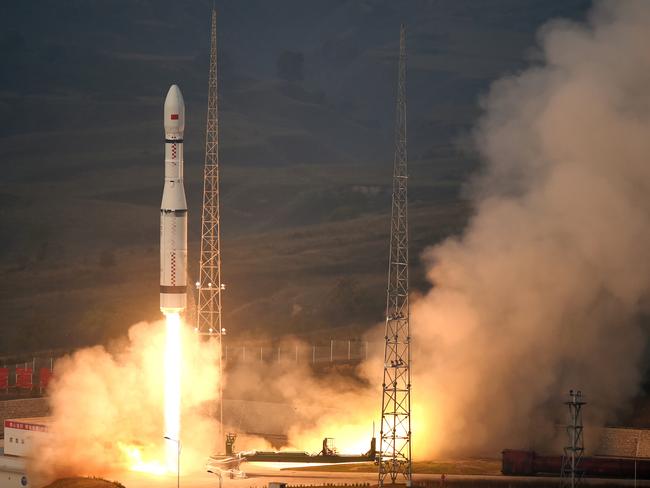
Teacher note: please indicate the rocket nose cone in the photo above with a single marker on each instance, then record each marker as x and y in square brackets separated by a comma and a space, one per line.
[174, 111]
[174, 95]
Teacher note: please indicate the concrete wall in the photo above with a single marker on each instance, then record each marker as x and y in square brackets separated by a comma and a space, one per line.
[619, 442]
[22, 408]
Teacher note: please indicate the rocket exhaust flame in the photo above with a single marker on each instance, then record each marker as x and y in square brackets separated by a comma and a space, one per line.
[138, 463]
[173, 367]
[173, 268]
[173, 209]
[108, 407]
[97, 395]
[557, 249]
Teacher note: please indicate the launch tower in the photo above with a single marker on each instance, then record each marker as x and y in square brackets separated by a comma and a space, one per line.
[395, 433]
[209, 285]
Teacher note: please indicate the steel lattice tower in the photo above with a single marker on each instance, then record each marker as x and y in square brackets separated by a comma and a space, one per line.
[395, 433]
[571, 471]
[209, 284]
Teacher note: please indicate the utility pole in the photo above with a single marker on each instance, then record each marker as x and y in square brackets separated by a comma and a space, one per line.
[571, 472]
[209, 285]
[395, 430]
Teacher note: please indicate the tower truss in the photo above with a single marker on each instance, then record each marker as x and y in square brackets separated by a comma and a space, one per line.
[209, 285]
[571, 460]
[395, 433]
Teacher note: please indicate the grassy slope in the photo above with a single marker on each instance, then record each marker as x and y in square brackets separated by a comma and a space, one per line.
[80, 262]
[305, 168]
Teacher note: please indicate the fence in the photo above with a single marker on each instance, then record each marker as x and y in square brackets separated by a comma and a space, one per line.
[333, 351]
[32, 375]
[26, 377]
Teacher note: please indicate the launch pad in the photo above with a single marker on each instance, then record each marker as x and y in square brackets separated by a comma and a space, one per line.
[231, 462]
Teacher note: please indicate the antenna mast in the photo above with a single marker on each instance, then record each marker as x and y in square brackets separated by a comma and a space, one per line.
[395, 433]
[209, 285]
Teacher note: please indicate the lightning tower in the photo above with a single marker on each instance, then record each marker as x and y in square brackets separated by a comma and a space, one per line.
[209, 285]
[395, 433]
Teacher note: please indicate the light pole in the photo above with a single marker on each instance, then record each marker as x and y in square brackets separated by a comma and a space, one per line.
[220, 475]
[222, 333]
[178, 460]
[636, 455]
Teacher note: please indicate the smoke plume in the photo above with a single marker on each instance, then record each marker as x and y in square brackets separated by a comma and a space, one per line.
[304, 406]
[107, 413]
[546, 288]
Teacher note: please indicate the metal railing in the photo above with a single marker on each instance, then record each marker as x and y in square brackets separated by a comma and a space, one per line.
[332, 351]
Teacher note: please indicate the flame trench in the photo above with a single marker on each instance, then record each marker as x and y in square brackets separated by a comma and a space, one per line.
[173, 360]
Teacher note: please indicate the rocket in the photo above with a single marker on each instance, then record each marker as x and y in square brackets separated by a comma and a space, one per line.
[173, 210]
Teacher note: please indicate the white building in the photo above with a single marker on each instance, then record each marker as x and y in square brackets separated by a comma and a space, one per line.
[19, 437]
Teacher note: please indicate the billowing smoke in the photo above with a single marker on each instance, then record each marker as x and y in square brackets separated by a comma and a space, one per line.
[546, 288]
[304, 406]
[107, 407]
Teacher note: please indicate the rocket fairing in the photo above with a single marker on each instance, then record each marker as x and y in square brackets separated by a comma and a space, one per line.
[173, 210]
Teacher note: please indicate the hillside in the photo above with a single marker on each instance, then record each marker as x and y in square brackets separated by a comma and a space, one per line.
[306, 163]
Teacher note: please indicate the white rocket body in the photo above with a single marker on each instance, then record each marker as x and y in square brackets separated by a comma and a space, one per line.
[173, 210]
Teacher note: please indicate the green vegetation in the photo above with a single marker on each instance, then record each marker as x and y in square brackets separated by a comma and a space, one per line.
[305, 147]
[304, 249]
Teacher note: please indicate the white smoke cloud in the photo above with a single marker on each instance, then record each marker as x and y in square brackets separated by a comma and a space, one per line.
[107, 407]
[543, 291]
[545, 288]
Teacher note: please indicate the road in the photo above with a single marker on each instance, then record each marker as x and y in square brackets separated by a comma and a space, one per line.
[259, 475]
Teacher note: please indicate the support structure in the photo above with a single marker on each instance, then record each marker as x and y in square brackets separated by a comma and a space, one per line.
[395, 431]
[209, 285]
[571, 471]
